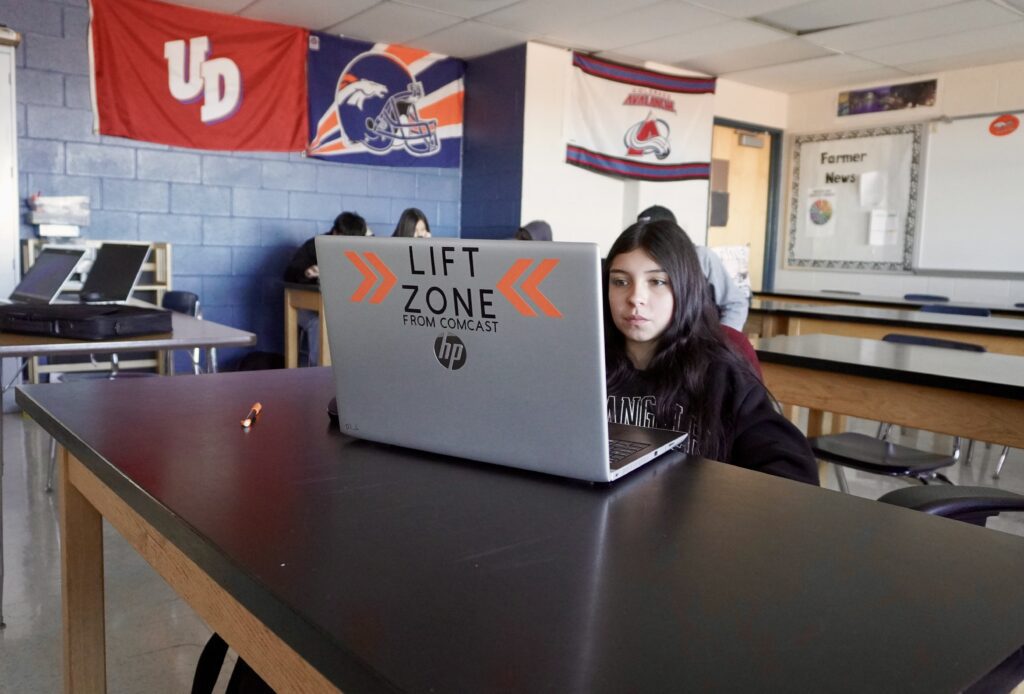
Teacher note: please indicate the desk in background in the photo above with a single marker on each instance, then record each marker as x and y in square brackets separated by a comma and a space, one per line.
[332, 563]
[302, 296]
[972, 394]
[187, 333]
[770, 318]
[998, 307]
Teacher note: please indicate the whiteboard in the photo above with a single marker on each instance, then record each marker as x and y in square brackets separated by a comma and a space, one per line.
[972, 216]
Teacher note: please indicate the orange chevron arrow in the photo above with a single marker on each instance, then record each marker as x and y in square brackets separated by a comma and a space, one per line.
[369, 279]
[385, 272]
[534, 280]
[505, 286]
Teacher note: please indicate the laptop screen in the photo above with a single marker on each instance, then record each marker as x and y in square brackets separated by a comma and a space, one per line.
[114, 272]
[42, 281]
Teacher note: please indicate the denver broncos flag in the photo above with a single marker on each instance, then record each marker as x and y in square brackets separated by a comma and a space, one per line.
[193, 78]
[383, 104]
[634, 123]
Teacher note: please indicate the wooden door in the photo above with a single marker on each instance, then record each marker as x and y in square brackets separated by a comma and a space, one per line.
[746, 179]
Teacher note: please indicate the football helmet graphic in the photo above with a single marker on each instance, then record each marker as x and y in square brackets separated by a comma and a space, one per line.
[376, 106]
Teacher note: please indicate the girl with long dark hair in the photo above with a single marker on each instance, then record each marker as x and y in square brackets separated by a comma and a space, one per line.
[670, 366]
[413, 223]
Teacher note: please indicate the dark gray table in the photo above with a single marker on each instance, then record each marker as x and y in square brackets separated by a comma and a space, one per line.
[1001, 307]
[329, 562]
[187, 333]
[977, 395]
[1004, 335]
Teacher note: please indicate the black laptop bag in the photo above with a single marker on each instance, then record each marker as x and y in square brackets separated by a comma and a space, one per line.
[84, 321]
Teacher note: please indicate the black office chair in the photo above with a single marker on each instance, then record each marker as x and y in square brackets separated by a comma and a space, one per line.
[925, 297]
[984, 313]
[972, 505]
[876, 455]
[187, 303]
[958, 310]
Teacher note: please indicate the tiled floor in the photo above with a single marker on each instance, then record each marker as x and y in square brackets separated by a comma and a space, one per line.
[153, 638]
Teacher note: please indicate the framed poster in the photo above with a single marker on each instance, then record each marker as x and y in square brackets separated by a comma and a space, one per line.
[853, 202]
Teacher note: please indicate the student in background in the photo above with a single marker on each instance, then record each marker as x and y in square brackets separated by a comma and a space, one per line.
[413, 223]
[732, 305]
[303, 269]
[537, 230]
[669, 365]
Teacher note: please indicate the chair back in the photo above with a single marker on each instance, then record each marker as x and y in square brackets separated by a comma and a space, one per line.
[741, 344]
[181, 302]
[921, 341]
[925, 297]
[958, 310]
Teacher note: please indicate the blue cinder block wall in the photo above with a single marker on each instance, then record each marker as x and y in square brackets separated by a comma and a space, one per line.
[492, 149]
[234, 219]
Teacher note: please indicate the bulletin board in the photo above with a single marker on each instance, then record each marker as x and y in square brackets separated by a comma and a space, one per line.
[972, 217]
[854, 199]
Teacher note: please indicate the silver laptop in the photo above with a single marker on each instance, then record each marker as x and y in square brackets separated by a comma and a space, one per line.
[43, 281]
[488, 350]
[114, 273]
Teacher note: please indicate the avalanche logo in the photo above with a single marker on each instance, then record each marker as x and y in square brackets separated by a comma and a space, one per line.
[190, 74]
[649, 136]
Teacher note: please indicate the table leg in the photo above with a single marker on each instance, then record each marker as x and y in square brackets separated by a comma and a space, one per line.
[81, 553]
[325, 346]
[291, 332]
[2, 625]
[815, 423]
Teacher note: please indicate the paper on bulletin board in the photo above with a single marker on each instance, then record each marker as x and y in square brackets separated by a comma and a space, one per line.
[873, 188]
[821, 212]
[882, 229]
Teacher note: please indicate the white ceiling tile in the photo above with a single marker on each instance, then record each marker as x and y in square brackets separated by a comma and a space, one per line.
[951, 19]
[963, 43]
[821, 14]
[727, 36]
[746, 8]
[653, 21]
[466, 9]
[959, 62]
[765, 55]
[393, 23]
[545, 16]
[311, 14]
[470, 39]
[810, 74]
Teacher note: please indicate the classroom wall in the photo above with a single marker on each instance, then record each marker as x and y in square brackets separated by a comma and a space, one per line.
[234, 219]
[961, 92]
[492, 145]
[581, 205]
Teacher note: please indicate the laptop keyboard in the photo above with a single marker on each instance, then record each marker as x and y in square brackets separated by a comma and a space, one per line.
[618, 450]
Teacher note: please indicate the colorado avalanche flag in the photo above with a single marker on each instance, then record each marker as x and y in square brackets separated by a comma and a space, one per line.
[191, 78]
[383, 104]
[634, 123]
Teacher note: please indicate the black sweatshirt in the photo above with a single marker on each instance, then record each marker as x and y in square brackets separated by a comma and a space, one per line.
[758, 437]
[303, 258]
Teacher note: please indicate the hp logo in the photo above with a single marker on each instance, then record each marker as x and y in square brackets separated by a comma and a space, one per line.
[450, 352]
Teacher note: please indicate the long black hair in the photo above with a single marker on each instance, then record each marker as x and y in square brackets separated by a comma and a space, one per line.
[692, 342]
[407, 222]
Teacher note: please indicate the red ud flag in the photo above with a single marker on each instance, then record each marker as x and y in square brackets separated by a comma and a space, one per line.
[199, 79]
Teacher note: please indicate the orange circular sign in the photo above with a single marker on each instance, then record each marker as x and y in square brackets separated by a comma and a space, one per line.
[1004, 125]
